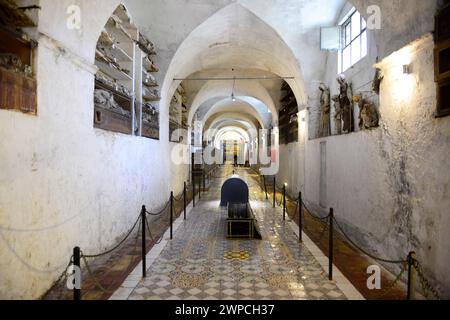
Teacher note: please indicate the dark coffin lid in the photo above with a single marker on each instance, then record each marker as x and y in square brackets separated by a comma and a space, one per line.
[234, 190]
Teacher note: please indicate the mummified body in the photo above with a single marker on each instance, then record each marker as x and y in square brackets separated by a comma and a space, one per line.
[105, 99]
[337, 114]
[368, 116]
[325, 108]
[346, 104]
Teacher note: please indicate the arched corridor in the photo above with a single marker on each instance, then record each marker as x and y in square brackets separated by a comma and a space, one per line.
[122, 120]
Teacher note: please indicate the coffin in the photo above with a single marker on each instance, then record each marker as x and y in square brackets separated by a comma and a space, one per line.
[241, 222]
[234, 191]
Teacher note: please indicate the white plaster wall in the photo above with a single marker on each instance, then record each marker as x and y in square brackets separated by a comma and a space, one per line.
[390, 186]
[180, 168]
[62, 182]
[292, 168]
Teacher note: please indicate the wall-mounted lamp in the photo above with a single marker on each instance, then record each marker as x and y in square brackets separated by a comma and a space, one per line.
[233, 98]
[406, 69]
[303, 115]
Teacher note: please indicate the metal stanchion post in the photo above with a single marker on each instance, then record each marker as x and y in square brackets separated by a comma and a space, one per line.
[330, 246]
[144, 243]
[184, 199]
[284, 202]
[193, 191]
[77, 263]
[200, 188]
[204, 181]
[300, 217]
[171, 215]
[274, 191]
[265, 187]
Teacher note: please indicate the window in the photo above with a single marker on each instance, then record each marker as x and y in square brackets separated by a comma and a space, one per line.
[353, 40]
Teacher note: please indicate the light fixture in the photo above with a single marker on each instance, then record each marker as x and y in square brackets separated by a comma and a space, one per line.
[302, 115]
[406, 69]
[233, 98]
[285, 184]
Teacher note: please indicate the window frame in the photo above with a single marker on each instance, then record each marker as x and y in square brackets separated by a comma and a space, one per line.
[345, 44]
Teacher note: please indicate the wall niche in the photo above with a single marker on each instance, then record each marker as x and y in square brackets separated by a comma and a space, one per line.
[442, 61]
[114, 81]
[17, 74]
[148, 88]
[178, 116]
[125, 88]
[288, 116]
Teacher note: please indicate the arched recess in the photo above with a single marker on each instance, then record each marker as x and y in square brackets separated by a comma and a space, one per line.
[188, 50]
[230, 116]
[218, 125]
[115, 58]
[237, 107]
[244, 136]
[232, 122]
[222, 89]
[238, 130]
[219, 104]
[234, 37]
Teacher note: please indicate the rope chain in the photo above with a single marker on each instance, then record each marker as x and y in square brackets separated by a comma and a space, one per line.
[63, 277]
[150, 234]
[396, 281]
[160, 212]
[320, 219]
[117, 246]
[365, 251]
[427, 288]
[97, 283]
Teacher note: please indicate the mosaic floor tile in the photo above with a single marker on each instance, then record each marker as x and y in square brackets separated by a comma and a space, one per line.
[202, 264]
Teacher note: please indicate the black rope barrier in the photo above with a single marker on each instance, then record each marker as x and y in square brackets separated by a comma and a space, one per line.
[63, 277]
[150, 234]
[115, 247]
[159, 212]
[330, 223]
[295, 211]
[341, 230]
[310, 212]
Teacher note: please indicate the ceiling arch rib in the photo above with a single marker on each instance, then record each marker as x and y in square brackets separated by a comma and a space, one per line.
[236, 107]
[239, 131]
[217, 89]
[221, 104]
[228, 134]
[232, 122]
[234, 37]
[231, 116]
[218, 125]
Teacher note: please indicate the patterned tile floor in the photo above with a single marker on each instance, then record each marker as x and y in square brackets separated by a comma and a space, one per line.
[201, 264]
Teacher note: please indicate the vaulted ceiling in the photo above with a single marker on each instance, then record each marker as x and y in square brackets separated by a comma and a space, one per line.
[204, 39]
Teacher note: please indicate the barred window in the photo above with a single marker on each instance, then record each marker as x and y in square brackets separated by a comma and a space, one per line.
[353, 40]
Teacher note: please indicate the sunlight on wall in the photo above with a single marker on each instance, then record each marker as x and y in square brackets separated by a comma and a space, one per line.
[302, 124]
[400, 75]
[232, 136]
[403, 82]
